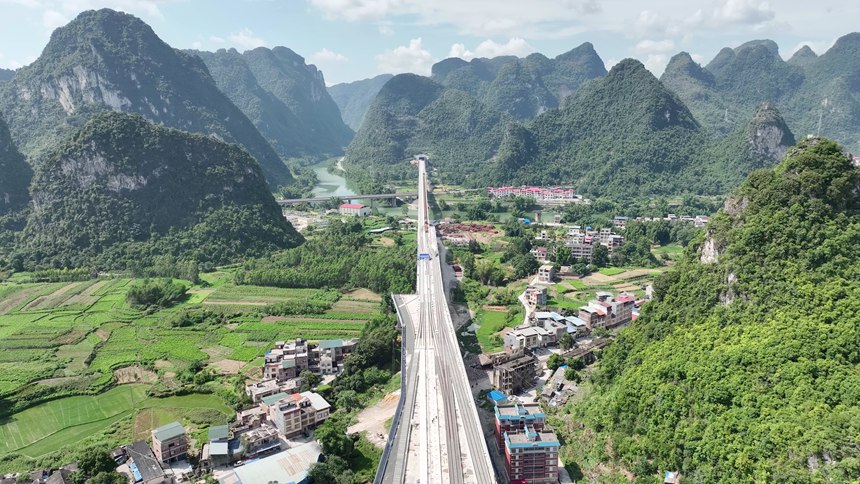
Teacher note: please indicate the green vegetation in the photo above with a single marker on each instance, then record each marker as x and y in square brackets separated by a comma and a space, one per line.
[209, 204]
[166, 85]
[285, 99]
[341, 257]
[490, 323]
[15, 175]
[62, 423]
[764, 307]
[161, 293]
[354, 98]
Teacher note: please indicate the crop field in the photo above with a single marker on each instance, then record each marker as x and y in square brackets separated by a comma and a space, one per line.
[69, 338]
[48, 427]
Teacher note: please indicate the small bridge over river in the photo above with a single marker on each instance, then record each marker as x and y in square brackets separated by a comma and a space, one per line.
[406, 197]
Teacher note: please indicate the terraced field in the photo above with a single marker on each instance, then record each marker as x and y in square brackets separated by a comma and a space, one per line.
[69, 338]
[60, 423]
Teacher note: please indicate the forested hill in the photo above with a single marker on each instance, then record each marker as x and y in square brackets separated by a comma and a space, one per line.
[522, 87]
[106, 60]
[806, 89]
[284, 97]
[621, 135]
[746, 366]
[124, 193]
[15, 174]
[413, 114]
[354, 98]
[758, 144]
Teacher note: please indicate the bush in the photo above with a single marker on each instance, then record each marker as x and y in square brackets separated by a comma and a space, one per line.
[158, 292]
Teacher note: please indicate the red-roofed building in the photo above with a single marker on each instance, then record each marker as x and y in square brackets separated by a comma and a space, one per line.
[607, 311]
[354, 209]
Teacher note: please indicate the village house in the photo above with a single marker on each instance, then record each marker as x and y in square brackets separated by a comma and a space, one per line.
[170, 443]
[354, 210]
[525, 338]
[546, 273]
[531, 456]
[536, 296]
[515, 417]
[515, 373]
[607, 311]
[296, 413]
[287, 360]
[540, 253]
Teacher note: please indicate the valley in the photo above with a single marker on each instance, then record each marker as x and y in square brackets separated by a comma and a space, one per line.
[647, 266]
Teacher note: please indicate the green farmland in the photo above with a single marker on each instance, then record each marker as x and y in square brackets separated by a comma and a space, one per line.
[55, 425]
[69, 344]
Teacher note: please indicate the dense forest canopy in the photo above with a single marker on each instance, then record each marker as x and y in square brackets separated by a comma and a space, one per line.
[746, 367]
[123, 192]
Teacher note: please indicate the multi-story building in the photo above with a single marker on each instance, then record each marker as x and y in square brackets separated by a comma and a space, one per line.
[536, 296]
[516, 373]
[287, 360]
[546, 273]
[515, 417]
[354, 210]
[607, 311]
[531, 456]
[580, 250]
[296, 413]
[540, 253]
[525, 338]
[169, 443]
[260, 439]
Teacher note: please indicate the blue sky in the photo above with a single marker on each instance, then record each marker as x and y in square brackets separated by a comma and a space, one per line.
[355, 39]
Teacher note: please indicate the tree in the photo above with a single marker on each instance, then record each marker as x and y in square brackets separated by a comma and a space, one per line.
[334, 470]
[111, 477]
[571, 375]
[309, 380]
[566, 341]
[600, 255]
[563, 255]
[95, 460]
[475, 247]
[554, 361]
[332, 436]
[524, 265]
[347, 400]
[443, 205]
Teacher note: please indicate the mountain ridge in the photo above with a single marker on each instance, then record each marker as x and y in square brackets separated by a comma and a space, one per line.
[106, 60]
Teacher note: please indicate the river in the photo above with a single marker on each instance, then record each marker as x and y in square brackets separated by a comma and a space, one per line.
[328, 184]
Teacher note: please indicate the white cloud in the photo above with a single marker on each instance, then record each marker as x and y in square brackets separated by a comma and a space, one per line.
[356, 9]
[406, 58]
[473, 17]
[654, 46]
[610, 63]
[197, 45]
[699, 58]
[747, 12]
[386, 30]
[489, 48]
[326, 55]
[817, 46]
[655, 54]
[217, 40]
[246, 39]
[51, 19]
